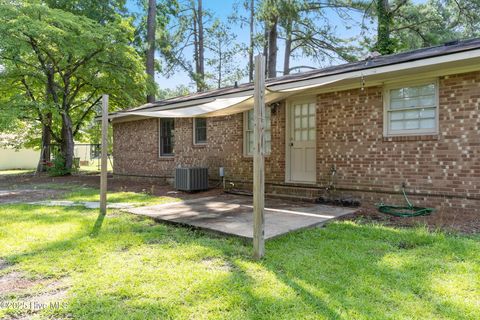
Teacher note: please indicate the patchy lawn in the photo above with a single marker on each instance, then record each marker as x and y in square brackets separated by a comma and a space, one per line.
[136, 269]
[88, 194]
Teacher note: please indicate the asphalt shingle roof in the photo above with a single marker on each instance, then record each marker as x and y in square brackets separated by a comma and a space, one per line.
[378, 61]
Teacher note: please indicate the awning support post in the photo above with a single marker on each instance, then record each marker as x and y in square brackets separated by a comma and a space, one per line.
[259, 159]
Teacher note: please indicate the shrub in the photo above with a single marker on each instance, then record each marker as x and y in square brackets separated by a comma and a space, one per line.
[58, 167]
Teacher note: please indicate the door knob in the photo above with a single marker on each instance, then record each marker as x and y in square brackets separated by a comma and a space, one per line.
[291, 144]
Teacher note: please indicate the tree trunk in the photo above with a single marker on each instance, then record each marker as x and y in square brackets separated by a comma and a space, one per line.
[150, 63]
[220, 67]
[272, 48]
[45, 151]
[384, 42]
[250, 49]
[288, 49]
[201, 50]
[67, 144]
[265, 47]
[195, 46]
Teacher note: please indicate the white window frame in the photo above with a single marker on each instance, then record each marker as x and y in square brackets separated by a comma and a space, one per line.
[386, 109]
[245, 127]
[195, 132]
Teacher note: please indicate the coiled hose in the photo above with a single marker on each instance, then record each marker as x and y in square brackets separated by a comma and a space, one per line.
[404, 211]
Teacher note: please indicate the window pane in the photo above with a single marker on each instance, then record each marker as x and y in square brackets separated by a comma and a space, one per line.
[396, 125]
[200, 130]
[412, 124]
[427, 101]
[396, 104]
[311, 134]
[311, 121]
[427, 113]
[304, 109]
[427, 124]
[398, 115]
[304, 122]
[166, 136]
[250, 120]
[311, 108]
[428, 89]
[268, 122]
[298, 136]
[412, 114]
[304, 135]
[297, 122]
[410, 92]
[411, 102]
[297, 110]
[396, 93]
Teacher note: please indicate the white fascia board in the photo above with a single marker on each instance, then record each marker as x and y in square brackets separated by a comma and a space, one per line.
[311, 83]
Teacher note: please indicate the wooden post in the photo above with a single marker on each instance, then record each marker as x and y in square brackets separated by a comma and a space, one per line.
[259, 159]
[104, 163]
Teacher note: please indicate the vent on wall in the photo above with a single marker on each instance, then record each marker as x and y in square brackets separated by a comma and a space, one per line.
[191, 179]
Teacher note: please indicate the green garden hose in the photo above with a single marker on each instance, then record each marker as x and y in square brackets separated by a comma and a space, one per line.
[404, 211]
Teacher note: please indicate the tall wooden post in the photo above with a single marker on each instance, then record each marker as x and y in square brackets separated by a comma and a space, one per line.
[259, 159]
[104, 163]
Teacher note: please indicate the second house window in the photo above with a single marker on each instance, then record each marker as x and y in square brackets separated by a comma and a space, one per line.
[167, 128]
[200, 130]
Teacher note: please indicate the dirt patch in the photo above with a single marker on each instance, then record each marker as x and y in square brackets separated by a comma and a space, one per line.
[26, 297]
[447, 220]
[116, 184]
[216, 264]
[3, 264]
[27, 195]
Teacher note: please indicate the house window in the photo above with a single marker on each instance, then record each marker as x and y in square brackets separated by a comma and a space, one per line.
[411, 109]
[167, 127]
[200, 130]
[248, 137]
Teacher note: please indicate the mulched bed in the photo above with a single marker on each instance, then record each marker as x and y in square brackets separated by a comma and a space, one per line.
[447, 220]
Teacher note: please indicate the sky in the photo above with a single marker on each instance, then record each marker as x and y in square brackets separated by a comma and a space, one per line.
[222, 9]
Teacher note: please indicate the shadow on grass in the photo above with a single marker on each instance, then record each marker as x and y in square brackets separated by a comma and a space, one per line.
[98, 225]
[344, 271]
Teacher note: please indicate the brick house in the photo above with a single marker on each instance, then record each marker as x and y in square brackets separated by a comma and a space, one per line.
[365, 128]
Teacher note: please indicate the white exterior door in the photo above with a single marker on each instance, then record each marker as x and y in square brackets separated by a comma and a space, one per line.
[301, 149]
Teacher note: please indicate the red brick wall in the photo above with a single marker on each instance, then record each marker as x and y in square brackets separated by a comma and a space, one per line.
[439, 169]
[136, 148]
[350, 136]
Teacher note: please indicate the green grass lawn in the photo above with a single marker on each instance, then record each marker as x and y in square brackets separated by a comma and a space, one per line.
[138, 269]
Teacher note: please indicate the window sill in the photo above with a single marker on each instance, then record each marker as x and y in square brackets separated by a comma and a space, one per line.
[249, 157]
[405, 138]
[166, 158]
[200, 145]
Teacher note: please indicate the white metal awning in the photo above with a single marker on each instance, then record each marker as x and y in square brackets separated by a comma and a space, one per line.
[203, 109]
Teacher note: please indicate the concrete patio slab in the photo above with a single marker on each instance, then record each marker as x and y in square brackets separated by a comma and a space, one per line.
[233, 214]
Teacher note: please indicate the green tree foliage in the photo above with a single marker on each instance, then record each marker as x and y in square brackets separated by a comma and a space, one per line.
[223, 49]
[58, 64]
[405, 25]
[103, 11]
[307, 29]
